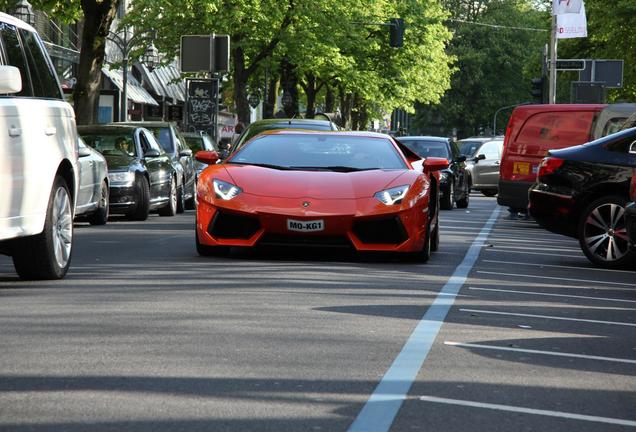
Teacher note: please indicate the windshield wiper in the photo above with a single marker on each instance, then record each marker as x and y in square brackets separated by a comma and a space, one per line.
[336, 168]
[264, 165]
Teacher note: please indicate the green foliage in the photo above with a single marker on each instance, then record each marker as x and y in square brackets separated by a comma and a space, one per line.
[494, 64]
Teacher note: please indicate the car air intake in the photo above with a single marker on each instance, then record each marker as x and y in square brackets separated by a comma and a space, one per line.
[233, 226]
[380, 231]
[307, 241]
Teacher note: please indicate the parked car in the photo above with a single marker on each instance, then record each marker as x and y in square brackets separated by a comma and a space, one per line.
[199, 141]
[455, 180]
[483, 167]
[612, 119]
[261, 126]
[532, 131]
[174, 144]
[38, 157]
[92, 195]
[469, 146]
[630, 215]
[582, 191]
[141, 175]
[302, 188]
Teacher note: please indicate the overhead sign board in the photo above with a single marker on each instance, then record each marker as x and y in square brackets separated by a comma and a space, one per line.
[205, 53]
[570, 64]
[609, 72]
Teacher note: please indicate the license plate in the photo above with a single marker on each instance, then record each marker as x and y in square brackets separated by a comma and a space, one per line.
[305, 226]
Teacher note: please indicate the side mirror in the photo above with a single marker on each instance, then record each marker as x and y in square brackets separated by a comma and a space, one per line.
[207, 157]
[84, 151]
[480, 157]
[461, 158]
[10, 80]
[435, 164]
[185, 152]
[632, 148]
[152, 153]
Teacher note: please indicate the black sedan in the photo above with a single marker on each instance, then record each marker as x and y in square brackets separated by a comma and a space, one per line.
[582, 192]
[141, 175]
[455, 180]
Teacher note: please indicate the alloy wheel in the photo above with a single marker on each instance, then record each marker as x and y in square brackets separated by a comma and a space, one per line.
[605, 234]
[62, 222]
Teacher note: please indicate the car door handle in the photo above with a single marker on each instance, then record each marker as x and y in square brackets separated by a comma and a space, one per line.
[496, 162]
[50, 131]
[15, 132]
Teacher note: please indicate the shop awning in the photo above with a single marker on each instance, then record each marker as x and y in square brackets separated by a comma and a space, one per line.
[134, 91]
[164, 81]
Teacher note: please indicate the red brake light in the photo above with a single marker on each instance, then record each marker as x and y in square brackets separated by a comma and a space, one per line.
[549, 165]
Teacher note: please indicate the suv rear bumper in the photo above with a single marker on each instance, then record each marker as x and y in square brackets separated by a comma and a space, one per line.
[514, 194]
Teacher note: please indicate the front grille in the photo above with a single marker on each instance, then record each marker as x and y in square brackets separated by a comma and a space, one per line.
[233, 226]
[303, 240]
[380, 231]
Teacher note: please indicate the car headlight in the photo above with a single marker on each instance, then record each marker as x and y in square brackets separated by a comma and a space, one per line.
[392, 196]
[224, 190]
[125, 178]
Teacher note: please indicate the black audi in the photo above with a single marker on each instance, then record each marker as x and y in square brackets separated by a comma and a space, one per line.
[455, 180]
[582, 192]
[141, 175]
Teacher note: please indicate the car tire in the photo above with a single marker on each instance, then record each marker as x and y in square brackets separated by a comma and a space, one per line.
[463, 203]
[489, 192]
[181, 198]
[171, 208]
[190, 203]
[142, 208]
[435, 237]
[100, 216]
[48, 255]
[598, 227]
[447, 202]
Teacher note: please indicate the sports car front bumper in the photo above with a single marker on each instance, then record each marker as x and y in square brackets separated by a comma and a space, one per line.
[364, 224]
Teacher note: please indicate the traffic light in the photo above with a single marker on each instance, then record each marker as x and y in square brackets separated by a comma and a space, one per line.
[396, 32]
[537, 89]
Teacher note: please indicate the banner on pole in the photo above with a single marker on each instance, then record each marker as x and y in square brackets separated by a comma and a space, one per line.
[571, 25]
[560, 7]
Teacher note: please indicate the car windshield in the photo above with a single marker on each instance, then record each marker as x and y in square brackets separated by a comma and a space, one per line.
[428, 148]
[320, 152]
[469, 148]
[162, 134]
[111, 143]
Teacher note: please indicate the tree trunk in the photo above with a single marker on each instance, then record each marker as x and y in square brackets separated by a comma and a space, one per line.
[240, 85]
[98, 16]
[310, 92]
[345, 107]
[289, 80]
[269, 107]
[330, 100]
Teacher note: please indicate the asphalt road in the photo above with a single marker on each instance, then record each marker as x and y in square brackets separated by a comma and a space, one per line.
[145, 335]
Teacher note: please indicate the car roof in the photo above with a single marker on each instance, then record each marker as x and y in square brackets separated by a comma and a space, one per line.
[289, 121]
[107, 127]
[6, 18]
[424, 138]
[481, 139]
[149, 123]
[325, 132]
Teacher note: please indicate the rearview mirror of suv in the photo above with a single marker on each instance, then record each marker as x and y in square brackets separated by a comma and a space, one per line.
[10, 80]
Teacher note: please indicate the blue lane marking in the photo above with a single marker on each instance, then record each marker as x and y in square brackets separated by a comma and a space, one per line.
[378, 413]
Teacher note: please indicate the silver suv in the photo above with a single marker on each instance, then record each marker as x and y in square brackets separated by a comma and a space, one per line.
[38, 157]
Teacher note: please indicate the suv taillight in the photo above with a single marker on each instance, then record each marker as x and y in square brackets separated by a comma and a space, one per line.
[632, 189]
[549, 165]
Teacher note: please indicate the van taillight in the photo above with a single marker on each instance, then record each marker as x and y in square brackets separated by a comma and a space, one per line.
[549, 165]
[507, 137]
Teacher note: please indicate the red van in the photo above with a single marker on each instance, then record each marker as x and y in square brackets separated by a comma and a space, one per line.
[531, 132]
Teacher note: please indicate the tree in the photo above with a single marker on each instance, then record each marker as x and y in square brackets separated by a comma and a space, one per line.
[494, 64]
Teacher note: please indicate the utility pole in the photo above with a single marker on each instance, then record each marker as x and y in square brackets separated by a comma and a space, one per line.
[553, 60]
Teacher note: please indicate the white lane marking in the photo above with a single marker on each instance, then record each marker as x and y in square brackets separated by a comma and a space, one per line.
[380, 410]
[595, 269]
[525, 247]
[510, 408]
[532, 351]
[493, 249]
[554, 295]
[597, 282]
[549, 317]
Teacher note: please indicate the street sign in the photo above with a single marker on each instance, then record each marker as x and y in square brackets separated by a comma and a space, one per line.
[609, 72]
[570, 64]
[197, 53]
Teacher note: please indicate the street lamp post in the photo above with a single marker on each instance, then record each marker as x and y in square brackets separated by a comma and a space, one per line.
[126, 45]
[24, 11]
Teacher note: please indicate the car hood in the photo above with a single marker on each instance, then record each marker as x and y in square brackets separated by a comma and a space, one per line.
[117, 162]
[312, 184]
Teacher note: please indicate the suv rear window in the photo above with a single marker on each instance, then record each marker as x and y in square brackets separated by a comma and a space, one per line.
[14, 56]
[43, 76]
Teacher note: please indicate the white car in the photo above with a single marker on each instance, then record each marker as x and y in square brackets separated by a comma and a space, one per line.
[92, 197]
[38, 157]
